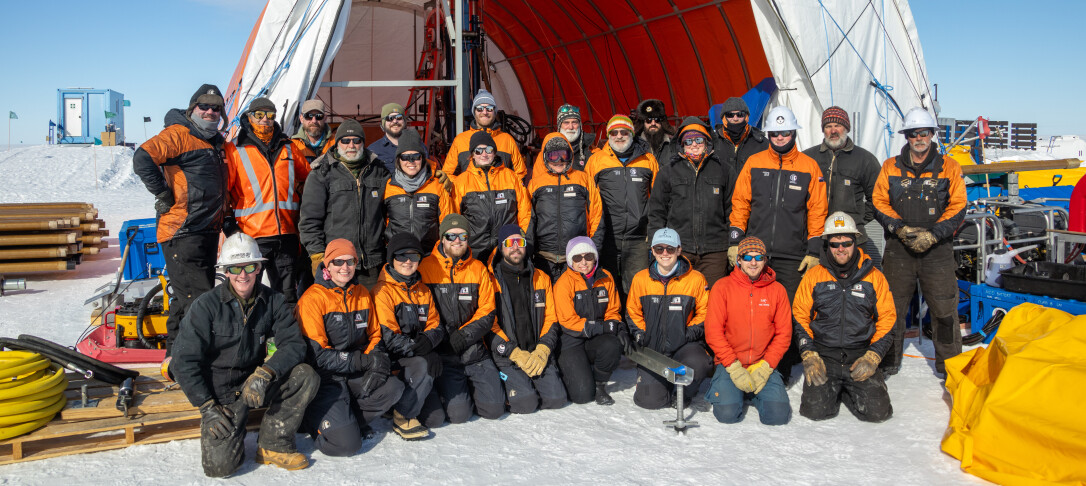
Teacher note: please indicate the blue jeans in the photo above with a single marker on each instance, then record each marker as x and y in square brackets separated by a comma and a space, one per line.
[728, 407]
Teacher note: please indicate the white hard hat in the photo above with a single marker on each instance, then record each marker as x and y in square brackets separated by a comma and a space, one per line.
[839, 223]
[780, 119]
[918, 118]
[238, 249]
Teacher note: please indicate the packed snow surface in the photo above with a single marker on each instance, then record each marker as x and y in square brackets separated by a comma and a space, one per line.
[578, 444]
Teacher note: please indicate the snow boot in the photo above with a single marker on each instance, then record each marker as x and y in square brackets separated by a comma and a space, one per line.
[365, 431]
[602, 398]
[291, 461]
[409, 428]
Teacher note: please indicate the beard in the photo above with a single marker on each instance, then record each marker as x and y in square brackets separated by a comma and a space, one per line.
[571, 135]
[836, 144]
[655, 139]
[392, 133]
[622, 147]
[314, 130]
[351, 158]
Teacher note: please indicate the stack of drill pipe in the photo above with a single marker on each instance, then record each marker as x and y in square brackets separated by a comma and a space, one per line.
[48, 237]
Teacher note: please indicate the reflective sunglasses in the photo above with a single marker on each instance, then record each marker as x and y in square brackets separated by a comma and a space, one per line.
[513, 242]
[483, 150]
[411, 256]
[735, 114]
[314, 116]
[410, 157]
[339, 262]
[569, 109]
[654, 119]
[691, 141]
[260, 115]
[351, 140]
[588, 257]
[748, 257]
[558, 155]
[486, 108]
[839, 244]
[781, 134]
[394, 117]
[918, 133]
[237, 269]
[207, 107]
[619, 133]
[455, 236]
[664, 250]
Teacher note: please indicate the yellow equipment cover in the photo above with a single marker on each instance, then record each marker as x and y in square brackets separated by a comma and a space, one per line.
[1019, 413]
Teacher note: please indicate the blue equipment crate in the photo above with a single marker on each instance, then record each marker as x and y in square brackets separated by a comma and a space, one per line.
[984, 300]
[145, 259]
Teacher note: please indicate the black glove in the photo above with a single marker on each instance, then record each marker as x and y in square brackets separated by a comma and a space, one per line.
[400, 344]
[694, 333]
[639, 337]
[164, 201]
[256, 386]
[371, 381]
[434, 365]
[627, 342]
[422, 345]
[217, 420]
[456, 340]
[614, 327]
[372, 361]
[593, 329]
[230, 226]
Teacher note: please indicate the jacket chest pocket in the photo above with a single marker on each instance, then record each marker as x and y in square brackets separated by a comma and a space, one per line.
[714, 187]
[584, 302]
[340, 330]
[794, 191]
[340, 186]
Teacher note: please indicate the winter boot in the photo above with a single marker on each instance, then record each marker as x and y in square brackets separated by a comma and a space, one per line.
[602, 397]
[409, 428]
[365, 431]
[291, 461]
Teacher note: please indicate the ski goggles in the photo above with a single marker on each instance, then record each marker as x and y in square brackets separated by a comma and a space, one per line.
[756, 258]
[410, 157]
[483, 150]
[839, 244]
[691, 141]
[394, 117]
[787, 133]
[207, 107]
[588, 257]
[486, 108]
[735, 114]
[513, 242]
[351, 140]
[411, 256]
[339, 262]
[926, 132]
[558, 156]
[664, 250]
[314, 116]
[455, 236]
[261, 114]
[568, 109]
[237, 269]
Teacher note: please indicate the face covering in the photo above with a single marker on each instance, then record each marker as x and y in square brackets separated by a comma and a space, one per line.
[206, 128]
[262, 132]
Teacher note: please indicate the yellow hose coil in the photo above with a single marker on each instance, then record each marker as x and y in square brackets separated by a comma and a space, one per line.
[31, 392]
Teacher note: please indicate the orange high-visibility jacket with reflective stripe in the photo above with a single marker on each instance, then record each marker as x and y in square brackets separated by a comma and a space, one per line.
[265, 203]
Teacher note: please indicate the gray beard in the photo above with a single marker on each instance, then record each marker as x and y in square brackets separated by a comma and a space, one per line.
[348, 158]
[836, 145]
[572, 136]
[621, 148]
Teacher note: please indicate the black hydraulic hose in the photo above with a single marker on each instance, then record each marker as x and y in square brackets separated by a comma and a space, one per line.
[103, 371]
[988, 329]
[141, 313]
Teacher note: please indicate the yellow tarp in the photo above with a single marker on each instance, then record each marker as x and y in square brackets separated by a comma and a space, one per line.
[1019, 413]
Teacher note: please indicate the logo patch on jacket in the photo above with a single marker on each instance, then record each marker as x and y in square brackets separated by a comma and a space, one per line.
[499, 198]
[792, 178]
[501, 348]
[359, 322]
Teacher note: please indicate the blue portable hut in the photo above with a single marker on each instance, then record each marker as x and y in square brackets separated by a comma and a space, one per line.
[84, 113]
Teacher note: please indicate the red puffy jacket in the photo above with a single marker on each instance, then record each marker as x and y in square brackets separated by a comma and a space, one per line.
[748, 321]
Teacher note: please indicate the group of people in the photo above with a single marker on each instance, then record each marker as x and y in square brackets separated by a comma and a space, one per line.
[432, 291]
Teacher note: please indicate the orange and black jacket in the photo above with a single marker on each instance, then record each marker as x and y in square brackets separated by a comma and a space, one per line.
[836, 314]
[694, 200]
[564, 206]
[586, 304]
[419, 213]
[301, 141]
[669, 310]
[405, 311]
[582, 150]
[337, 321]
[464, 294]
[735, 154]
[180, 161]
[544, 321]
[781, 199]
[931, 196]
[624, 189]
[459, 157]
[264, 183]
[490, 198]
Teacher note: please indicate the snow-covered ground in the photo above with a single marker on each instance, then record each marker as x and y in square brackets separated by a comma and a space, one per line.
[621, 444]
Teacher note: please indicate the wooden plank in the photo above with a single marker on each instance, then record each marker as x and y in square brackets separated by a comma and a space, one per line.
[82, 214]
[30, 224]
[36, 266]
[90, 240]
[89, 227]
[1020, 166]
[39, 239]
[32, 252]
[63, 205]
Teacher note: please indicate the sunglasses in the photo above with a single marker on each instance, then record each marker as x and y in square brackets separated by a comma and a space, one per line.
[313, 116]
[339, 262]
[558, 155]
[654, 119]
[588, 257]
[260, 115]
[748, 257]
[781, 134]
[691, 141]
[351, 140]
[455, 236]
[664, 250]
[483, 150]
[839, 244]
[513, 242]
[207, 107]
[237, 269]
[918, 133]
[619, 133]
[411, 256]
[486, 108]
[410, 157]
[734, 114]
[569, 109]
[394, 117]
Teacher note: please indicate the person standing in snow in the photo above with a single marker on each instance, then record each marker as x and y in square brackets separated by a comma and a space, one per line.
[843, 316]
[314, 136]
[183, 167]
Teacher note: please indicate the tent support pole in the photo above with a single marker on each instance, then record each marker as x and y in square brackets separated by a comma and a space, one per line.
[459, 46]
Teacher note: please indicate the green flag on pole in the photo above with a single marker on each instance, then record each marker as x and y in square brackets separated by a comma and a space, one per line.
[97, 141]
[12, 115]
[127, 103]
[110, 114]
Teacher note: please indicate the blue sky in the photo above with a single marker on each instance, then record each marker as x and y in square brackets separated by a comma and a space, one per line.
[1015, 61]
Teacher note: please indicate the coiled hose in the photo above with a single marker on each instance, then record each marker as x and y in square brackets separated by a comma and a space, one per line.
[31, 392]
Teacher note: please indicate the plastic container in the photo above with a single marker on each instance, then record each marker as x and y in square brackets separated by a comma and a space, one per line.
[145, 259]
[1048, 279]
[999, 261]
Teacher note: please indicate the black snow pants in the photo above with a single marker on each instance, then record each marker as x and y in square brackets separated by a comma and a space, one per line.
[190, 265]
[583, 362]
[868, 400]
[284, 266]
[788, 274]
[341, 406]
[653, 391]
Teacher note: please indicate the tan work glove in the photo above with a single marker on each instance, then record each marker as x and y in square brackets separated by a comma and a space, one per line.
[814, 369]
[538, 360]
[316, 260]
[760, 373]
[864, 367]
[907, 233]
[521, 358]
[807, 263]
[733, 255]
[444, 179]
[922, 242]
[740, 377]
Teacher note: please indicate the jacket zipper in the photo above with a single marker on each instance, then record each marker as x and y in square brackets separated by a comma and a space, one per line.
[750, 326]
[358, 183]
[776, 200]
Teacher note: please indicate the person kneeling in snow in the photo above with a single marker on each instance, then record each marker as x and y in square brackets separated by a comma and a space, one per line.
[345, 347]
[220, 360]
[844, 313]
[749, 326]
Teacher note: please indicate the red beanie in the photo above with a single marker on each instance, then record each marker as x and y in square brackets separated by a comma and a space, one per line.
[836, 114]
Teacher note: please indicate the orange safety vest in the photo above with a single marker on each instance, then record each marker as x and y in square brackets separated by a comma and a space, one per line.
[266, 204]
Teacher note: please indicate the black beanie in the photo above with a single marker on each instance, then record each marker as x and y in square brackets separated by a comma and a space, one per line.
[481, 137]
[402, 242]
[350, 127]
[409, 140]
[208, 93]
